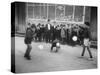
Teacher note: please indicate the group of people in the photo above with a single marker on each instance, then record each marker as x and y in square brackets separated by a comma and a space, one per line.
[49, 33]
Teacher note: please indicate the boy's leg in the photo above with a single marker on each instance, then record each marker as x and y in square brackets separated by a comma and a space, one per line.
[89, 52]
[27, 53]
[57, 48]
[83, 51]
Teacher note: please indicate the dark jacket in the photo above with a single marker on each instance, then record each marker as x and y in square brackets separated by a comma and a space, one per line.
[29, 36]
[55, 42]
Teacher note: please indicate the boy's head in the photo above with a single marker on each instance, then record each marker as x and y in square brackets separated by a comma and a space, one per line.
[33, 27]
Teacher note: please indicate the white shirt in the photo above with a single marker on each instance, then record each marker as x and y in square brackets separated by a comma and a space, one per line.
[48, 26]
[86, 42]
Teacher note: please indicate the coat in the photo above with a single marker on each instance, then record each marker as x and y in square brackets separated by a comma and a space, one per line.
[62, 33]
[29, 36]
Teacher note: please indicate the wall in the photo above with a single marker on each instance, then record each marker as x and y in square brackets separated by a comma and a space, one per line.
[20, 16]
[93, 23]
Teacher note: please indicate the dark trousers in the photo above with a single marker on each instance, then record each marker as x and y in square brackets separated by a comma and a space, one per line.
[48, 35]
[54, 45]
[28, 50]
[84, 47]
[52, 48]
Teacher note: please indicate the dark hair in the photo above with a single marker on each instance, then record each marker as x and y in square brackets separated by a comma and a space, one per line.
[48, 20]
[87, 23]
[33, 26]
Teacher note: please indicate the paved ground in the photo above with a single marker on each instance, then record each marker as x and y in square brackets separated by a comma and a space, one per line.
[68, 58]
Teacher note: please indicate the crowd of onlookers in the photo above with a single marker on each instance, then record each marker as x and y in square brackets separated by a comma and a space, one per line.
[64, 33]
[56, 34]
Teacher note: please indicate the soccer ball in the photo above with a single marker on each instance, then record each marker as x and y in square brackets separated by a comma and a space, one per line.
[74, 38]
[57, 44]
[40, 46]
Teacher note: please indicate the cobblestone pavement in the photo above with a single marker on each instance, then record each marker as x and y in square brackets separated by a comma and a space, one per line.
[68, 58]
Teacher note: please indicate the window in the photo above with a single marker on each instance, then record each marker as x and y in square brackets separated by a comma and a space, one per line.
[60, 12]
[51, 11]
[68, 13]
[37, 12]
[87, 14]
[43, 11]
[78, 14]
[30, 11]
[57, 12]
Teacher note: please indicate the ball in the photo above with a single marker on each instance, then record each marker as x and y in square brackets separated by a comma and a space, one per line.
[57, 44]
[40, 46]
[74, 38]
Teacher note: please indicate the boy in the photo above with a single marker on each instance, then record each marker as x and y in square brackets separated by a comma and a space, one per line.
[30, 34]
[86, 44]
[55, 44]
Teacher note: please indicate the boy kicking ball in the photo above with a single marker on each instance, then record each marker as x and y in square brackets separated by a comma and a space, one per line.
[86, 44]
[55, 44]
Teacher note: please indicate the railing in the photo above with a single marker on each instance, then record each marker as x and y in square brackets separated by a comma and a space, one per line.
[94, 43]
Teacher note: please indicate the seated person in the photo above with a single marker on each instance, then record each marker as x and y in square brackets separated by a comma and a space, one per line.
[56, 44]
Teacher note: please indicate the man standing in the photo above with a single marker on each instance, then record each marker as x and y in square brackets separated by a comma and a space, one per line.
[48, 31]
[30, 34]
